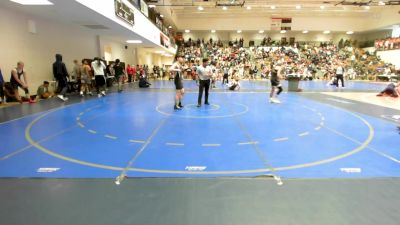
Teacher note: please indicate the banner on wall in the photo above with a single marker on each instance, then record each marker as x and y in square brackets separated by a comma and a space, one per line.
[124, 12]
[281, 23]
[134, 2]
[159, 23]
[144, 8]
[164, 40]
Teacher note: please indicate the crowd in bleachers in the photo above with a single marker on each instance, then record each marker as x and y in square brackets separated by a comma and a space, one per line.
[305, 61]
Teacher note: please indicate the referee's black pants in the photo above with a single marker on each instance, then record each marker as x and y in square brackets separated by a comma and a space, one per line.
[204, 84]
[339, 77]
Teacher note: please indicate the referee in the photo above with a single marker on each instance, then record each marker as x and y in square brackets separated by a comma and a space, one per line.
[204, 72]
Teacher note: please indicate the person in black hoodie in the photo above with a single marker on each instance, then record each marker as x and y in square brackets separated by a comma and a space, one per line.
[60, 74]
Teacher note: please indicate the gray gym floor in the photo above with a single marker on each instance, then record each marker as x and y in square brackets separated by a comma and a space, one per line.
[225, 201]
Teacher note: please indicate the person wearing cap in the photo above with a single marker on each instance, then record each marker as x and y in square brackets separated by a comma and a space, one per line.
[177, 68]
[205, 73]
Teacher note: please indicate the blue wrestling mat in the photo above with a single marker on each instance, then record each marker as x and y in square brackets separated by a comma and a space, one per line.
[239, 134]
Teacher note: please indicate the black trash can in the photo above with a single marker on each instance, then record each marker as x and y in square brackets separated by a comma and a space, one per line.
[110, 81]
[293, 81]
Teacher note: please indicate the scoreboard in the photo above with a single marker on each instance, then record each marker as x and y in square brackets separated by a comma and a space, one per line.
[281, 23]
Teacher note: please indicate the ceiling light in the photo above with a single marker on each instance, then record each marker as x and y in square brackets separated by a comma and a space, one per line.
[161, 15]
[239, 31]
[33, 2]
[134, 41]
[152, 6]
[349, 32]
[200, 8]
[224, 8]
[187, 31]
[283, 31]
[305, 31]
[213, 31]
[273, 7]
[170, 27]
[381, 3]
[261, 31]
[322, 7]
[298, 6]
[248, 7]
[327, 32]
[367, 7]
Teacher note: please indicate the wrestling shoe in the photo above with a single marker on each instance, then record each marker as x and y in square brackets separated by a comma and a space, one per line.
[277, 101]
[62, 98]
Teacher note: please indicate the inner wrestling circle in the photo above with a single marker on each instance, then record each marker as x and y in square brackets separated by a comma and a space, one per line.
[211, 111]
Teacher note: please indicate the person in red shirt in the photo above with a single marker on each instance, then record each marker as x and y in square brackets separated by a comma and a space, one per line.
[130, 71]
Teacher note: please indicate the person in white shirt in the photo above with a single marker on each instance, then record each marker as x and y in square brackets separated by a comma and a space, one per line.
[205, 73]
[98, 71]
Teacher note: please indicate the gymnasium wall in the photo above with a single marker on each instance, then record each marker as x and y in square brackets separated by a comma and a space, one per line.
[377, 18]
[264, 23]
[373, 35]
[254, 35]
[37, 50]
[392, 56]
[113, 50]
[148, 57]
[299, 36]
